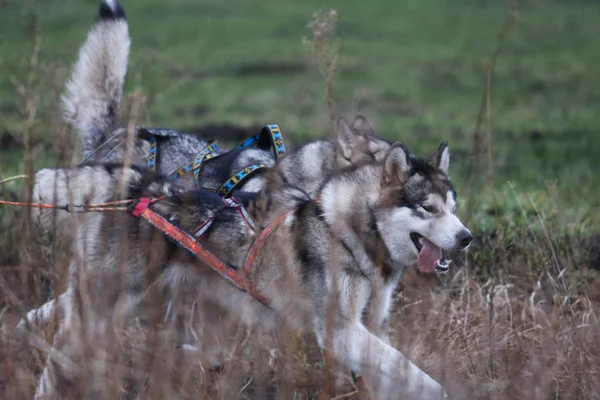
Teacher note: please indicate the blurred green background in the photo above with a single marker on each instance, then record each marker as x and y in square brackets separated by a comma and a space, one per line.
[416, 68]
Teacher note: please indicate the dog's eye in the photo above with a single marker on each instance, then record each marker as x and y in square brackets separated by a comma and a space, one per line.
[430, 209]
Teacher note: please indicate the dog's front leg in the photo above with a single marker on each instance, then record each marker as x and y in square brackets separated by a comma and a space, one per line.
[40, 317]
[356, 247]
[63, 365]
[378, 308]
[386, 372]
[46, 383]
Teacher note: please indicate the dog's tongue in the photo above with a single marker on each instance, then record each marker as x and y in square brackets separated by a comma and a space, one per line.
[429, 256]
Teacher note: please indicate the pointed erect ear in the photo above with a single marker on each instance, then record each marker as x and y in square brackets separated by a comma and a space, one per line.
[395, 165]
[361, 125]
[348, 138]
[441, 158]
[275, 179]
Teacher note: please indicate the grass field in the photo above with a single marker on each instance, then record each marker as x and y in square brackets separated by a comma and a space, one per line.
[417, 69]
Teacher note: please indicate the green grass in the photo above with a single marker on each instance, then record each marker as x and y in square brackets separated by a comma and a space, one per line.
[416, 67]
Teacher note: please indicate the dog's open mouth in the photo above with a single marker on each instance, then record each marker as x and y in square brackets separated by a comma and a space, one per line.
[431, 257]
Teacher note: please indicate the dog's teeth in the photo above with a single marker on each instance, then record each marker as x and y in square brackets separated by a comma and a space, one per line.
[421, 240]
[443, 266]
[444, 263]
[442, 269]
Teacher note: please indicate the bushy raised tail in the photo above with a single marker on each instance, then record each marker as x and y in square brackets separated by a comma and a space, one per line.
[93, 93]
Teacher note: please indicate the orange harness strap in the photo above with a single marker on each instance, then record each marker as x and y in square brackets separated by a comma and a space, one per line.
[249, 265]
[241, 278]
[238, 277]
[258, 244]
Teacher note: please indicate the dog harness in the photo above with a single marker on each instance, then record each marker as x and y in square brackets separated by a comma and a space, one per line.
[242, 278]
[227, 202]
[269, 137]
[140, 208]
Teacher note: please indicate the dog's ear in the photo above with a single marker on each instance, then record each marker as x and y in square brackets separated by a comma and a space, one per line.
[275, 179]
[441, 158]
[348, 139]
[395, 165]
[362, 126]
[375, 145]
[274, 183]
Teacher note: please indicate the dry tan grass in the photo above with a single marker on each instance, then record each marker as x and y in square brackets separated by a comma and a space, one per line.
[527, 331]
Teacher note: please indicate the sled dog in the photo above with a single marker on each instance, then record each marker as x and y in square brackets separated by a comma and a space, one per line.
[400, 212]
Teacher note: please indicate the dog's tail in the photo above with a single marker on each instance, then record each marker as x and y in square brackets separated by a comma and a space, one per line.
[93, 92]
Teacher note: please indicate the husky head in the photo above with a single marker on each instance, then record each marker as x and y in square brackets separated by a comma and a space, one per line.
[416, 209]
[357, 143]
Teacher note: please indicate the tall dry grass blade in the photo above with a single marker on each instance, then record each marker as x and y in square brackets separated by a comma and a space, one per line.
[324, 52]
[485, 113]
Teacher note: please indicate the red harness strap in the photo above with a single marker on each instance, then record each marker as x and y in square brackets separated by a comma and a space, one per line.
[238, 278]
[249, 267]
[228, 202]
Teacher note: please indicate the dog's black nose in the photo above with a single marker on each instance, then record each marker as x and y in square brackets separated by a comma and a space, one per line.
[464, 238]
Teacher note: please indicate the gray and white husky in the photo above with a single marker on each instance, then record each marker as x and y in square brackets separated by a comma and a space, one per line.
[91, 103]
[400, 211]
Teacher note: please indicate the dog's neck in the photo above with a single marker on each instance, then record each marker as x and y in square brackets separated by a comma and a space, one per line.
[275, 198]
[348, 201]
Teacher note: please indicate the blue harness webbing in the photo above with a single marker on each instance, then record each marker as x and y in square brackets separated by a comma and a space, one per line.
[269, 134]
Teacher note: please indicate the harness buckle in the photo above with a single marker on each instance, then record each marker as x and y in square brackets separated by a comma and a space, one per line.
[138, 206]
